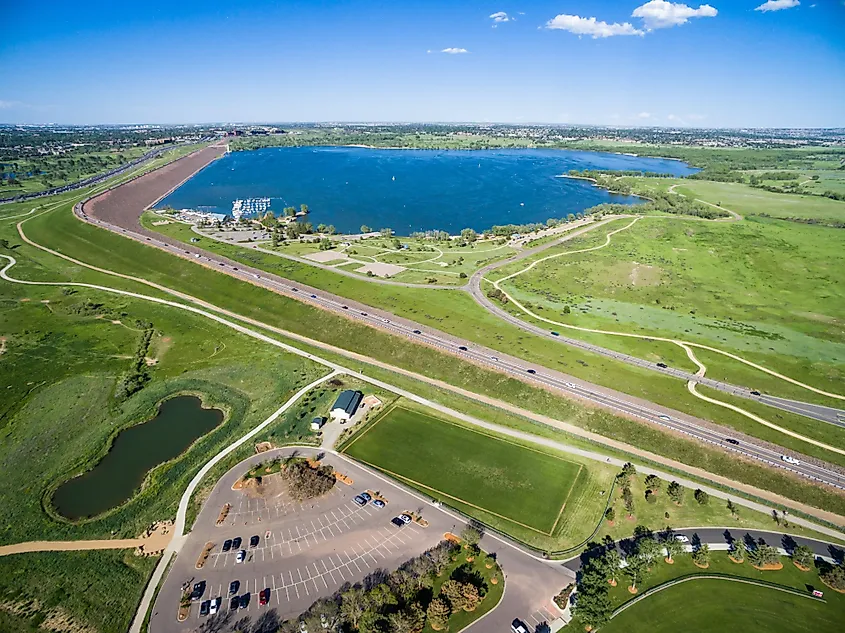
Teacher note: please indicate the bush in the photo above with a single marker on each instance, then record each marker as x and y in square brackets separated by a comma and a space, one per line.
[305, 482]
[834, 577]
[702, 497]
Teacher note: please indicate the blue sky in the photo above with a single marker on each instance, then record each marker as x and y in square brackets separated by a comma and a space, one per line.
[725, 63]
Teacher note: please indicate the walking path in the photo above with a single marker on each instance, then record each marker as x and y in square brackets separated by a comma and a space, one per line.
[154, 541]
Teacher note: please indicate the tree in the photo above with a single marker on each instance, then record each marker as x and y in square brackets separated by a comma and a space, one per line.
[381, 596]
[702, 497]
[739, 550]
[352, 606]
[411, 619]
[438, 614]
[440, 558]
[303, 208]
[676, 492]
[763, 555]
[275, 240]
[733, 509]
[636, 570]
[386, 232]
[609, 564]
[628, 499]
[648, 549]
[673, 547]
[321, 228]
[289, 211]
[366, 229]
[653, 483]
[326, 244]
[592, 603]
[469, 235]
[834, 577]
[701, 555]
[471, 535]
[610, 515]
[803, 556]
[452, 590]
[470, 595]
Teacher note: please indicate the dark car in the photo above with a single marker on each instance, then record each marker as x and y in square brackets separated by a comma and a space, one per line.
[234, 603]
[234, 586]
[531, 371]
[313, 296]
[555, 333]
[360, 500]
[199, 589]
[397, 522]
[378, 503]
[295, 289]
[662, 365]
[345, 307]
[227, 545]
[205, 607]
[731, 440]
[253, 541]
[417, 332]
[236, 542]
[462, 348]
[366, 496]
[755, 393]
[244, 602]
[264, 596]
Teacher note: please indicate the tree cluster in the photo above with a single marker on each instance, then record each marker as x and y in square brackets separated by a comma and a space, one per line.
[305, 482]
[138, 375]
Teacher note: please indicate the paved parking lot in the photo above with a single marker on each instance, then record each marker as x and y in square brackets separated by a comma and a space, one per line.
[311, 550]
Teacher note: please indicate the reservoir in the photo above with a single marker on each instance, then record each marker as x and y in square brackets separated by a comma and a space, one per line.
[135, 451]
[411, 190]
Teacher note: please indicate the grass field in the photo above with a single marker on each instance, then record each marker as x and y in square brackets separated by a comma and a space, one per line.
[519, 485]
[700, 605]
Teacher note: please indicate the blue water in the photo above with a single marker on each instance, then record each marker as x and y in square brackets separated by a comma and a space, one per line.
[411, 190]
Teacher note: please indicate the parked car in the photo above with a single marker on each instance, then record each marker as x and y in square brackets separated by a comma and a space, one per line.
[681, 538]
[241, 556]
[199, 589]
[404, 518]
[227, 545]
[790, 460]
[518, 627]
[366, 496]
[378, 503]
[234, 586]
[359, 500]
[234, 603]
[244, 601]
[264, 597]
[397, 522]
[215, 605]
[236, 542]
[205, 607]
[254, 540]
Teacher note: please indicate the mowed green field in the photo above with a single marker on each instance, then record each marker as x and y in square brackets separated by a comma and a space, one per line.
[700, 606]
[519, 484]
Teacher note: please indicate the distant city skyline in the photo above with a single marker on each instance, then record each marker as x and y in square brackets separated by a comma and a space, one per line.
[632, 63]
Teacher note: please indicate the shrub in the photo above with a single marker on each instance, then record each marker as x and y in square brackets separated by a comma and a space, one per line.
[702, 497]
[438, 614]
[305, 482]
[834, 577]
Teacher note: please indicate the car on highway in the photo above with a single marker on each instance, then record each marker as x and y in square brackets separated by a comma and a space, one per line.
[397, 522]
[264, 597]
[417, 332]
[254, 540]
[366, 496]
[234, 586]
[662, 365]
[199, 589]
[681, 538]
[234, 603]
[555, 333]
[790, 460]
[755, 393]
[518, 627]
[462, 348]
[205, 607]
[256, 276]
[236, 542]
[295, 289]
[244, 601]
[531, 371]
[359, 500]
[664, 417]
[378, 503]
[363, 314]
[227, 545]
[731, 440]
[313, 296]
[197, 256]
[215, 605]
[241, 556]
[345, 307]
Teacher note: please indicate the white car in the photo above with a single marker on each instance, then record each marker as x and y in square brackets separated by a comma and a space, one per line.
[241, 556]
[215, 605]
[790, 460]
[681, 538]
[664, 417]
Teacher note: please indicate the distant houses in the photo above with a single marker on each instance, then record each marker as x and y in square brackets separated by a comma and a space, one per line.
[346, 405]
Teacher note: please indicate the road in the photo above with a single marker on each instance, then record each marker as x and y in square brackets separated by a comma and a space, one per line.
[569, 386]
[311, 550]
[821, 413]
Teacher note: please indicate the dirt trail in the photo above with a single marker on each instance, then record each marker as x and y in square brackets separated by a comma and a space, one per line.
[152, 541]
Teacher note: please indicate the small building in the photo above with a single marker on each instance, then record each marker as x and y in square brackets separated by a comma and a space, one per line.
[317, 423]
[346, 405]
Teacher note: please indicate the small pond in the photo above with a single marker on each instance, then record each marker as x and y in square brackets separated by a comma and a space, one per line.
[180, 421]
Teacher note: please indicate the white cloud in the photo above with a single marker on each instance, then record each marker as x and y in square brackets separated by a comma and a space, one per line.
[777, 5]
[5, 105]
[454, 51]
[660, 14]
[644, 115]
[500, 16]
[590, 26]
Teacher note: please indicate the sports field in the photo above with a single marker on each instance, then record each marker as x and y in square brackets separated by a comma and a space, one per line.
[520, 485]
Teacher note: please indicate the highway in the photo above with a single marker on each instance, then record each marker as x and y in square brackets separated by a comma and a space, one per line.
[818, 412]
[568, 386]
